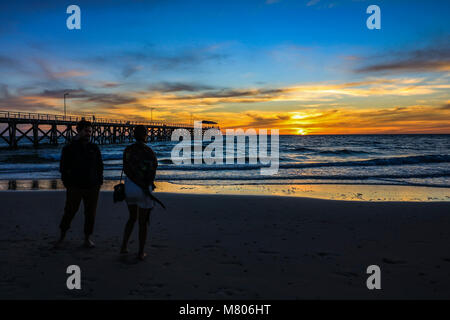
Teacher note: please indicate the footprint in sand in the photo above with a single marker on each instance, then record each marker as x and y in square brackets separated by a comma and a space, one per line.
[229, 292]
[346, 273]
[208, 246]
[268, 252]
[150, 288]
[392, 261]
[236, 263]
[128, 259]
[326, 254]
[158, 246]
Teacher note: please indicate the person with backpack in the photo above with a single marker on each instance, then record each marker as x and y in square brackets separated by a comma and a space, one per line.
[139, 165]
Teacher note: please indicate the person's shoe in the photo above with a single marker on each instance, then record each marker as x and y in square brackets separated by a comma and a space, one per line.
[141, 256]
[124, 250]
[88, 243]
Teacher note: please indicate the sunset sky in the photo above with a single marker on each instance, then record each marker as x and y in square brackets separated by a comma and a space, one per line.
[304, 67]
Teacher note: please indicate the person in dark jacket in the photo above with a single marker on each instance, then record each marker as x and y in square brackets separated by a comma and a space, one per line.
[81, 168]
[139, 165]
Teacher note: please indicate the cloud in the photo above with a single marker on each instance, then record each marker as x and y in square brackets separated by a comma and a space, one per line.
[129, 70]
[158, 60]
[312, 2]
[7, 62]
[51, 100]
[111, 99]
[328, 4]
[261, 120]
[431, 59]
[232, 93]
[12, 64]
[179, 86]
[70, 74]
[38, 68]
[9, 101]
[48, 71]
[347, 120]
[313, 92]
[110, 84]
[4, 92]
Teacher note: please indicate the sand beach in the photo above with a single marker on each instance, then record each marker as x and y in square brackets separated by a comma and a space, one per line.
[229, 247]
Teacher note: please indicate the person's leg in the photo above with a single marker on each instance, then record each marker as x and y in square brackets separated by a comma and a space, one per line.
[73, 200]
[144, 215]
[129, 227]
[90, 200]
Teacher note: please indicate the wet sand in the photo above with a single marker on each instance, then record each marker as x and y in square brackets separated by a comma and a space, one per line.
[229, 247]
[330, 191]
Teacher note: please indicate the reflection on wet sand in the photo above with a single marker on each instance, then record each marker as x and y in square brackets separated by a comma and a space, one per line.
[31, 185]
[321, 191]
[12, 185]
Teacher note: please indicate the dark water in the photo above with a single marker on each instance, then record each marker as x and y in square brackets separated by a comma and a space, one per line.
[368, 159]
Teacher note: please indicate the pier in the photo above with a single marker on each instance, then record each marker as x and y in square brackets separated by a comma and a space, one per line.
[38, 128]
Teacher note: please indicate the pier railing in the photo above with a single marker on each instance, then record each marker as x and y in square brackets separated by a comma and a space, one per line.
[38, 128]
[10, 115]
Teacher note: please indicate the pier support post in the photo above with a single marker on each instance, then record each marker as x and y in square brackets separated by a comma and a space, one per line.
[69, 133]
[35, 134]
[54, 135]
[130, 134]
[12, 135]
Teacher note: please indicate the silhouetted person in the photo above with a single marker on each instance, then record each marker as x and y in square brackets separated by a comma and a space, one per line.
[139, 165]
[81, 168]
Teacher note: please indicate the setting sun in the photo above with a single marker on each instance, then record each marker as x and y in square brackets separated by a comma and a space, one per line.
[301, 132]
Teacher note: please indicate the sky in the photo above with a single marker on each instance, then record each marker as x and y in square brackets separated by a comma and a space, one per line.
[303, 67]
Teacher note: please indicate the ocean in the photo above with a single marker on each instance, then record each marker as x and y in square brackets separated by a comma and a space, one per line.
[413, 160]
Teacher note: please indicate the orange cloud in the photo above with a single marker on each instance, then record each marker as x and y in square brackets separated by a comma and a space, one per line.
[373, 105]
[70, 74]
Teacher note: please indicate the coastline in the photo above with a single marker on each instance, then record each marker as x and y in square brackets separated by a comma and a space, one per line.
[329, 191]
[229, 247]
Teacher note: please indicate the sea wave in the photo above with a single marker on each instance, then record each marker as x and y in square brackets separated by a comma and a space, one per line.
[344, 152]
[166, 164]
[392, 161]
[331, 152]
[302, 149]
[304, 177]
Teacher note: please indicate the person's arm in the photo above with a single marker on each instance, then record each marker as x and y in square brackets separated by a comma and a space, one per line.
[125, 164]
[99, 166]
[155, 160]
[154, 167]
[150, 167]
[64, 166]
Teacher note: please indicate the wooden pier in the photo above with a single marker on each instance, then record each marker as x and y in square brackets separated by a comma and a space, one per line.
[39, 128]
